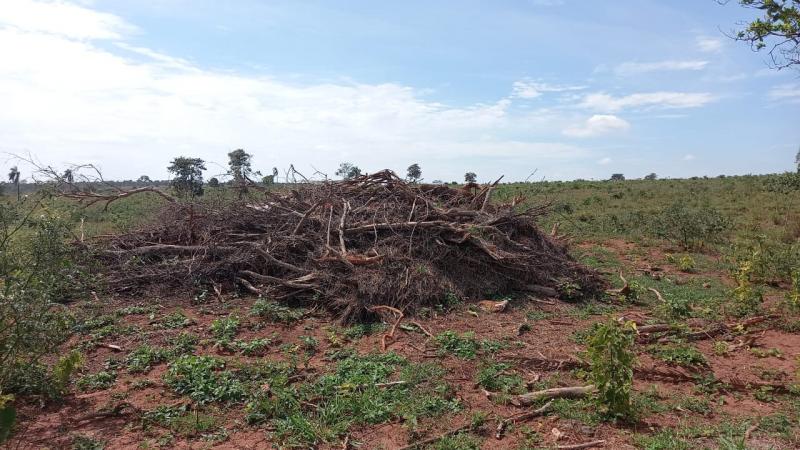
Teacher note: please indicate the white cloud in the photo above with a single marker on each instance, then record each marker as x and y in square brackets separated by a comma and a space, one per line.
[62, 18]
[636, 68]
[531, 89]
[709, 44]
[787, 92]
[605, 161]
[688, 157]
[68, 96]
[597, 125]
[663, 100]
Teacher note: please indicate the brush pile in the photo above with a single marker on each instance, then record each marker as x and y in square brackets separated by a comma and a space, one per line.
[349, 245]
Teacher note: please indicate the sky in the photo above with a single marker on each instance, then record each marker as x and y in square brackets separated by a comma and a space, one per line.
[564, 88]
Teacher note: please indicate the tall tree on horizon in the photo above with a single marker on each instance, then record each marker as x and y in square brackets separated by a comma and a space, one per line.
[414, 173]
[188, 175]
[13, 177]
[240, 168]
[470, 177]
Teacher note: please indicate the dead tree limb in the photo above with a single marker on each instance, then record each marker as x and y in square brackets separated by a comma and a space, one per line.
[501, 427]
[547, 394]
[584, 445]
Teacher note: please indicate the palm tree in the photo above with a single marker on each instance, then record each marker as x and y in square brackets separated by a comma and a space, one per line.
[13, 177]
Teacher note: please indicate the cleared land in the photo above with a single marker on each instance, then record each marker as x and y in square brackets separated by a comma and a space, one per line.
[708, 262]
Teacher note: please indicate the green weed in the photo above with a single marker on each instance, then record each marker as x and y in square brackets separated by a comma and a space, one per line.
[202, 379]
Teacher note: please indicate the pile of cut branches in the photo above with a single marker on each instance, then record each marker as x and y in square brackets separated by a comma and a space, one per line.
[349, 245]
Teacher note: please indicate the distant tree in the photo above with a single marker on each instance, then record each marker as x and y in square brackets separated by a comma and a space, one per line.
[797, 160]
[617, 177]
[414, 173]
[187, 175]
[268, 180]
[144, 179]
[239, 163]
[274, 174]
[437, 182]
[348, 171]
[778, 30]
[240, 168]
[13, 177]
[651, 176]
[470, 177]
[213, 182]
[68, 176]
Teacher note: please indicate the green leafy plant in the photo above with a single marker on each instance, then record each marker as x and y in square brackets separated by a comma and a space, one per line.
[225, 328]
[275, 312]
[63, 370]
[464, 346]
[144, 357]
[498, 377]
[176, 319]
[679, 353]
[97, 381]
[611, 356]
[37, 272]
[747, 299]
[203, 380]
[686, 264]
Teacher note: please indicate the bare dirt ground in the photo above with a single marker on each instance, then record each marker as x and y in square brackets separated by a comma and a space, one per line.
[705, 404]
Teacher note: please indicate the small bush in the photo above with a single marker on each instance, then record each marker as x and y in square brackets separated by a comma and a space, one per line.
[37, 272]
[746, 298]
[611, 356]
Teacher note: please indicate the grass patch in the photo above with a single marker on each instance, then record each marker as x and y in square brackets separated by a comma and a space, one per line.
[360, 391]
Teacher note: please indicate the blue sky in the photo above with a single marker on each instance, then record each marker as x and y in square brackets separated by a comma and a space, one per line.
[571, 89]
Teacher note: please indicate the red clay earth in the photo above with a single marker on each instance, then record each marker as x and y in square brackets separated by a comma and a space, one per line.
[55, 425]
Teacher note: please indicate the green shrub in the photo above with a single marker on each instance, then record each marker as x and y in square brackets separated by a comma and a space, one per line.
[612, 357]
[746, 298]
[37, 272]
[690, 227]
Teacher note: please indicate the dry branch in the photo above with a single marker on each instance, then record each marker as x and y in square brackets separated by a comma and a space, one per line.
[583, 445]
[547, 394]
